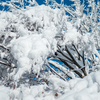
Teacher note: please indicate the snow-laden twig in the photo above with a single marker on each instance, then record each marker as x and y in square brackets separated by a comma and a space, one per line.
[58, 66]
[1, 62]
[55, 72]
[75, 62]
[4, 47]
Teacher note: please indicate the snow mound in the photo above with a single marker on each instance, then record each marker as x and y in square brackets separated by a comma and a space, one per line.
[30, 51]
[83, 89]
[58, 84]
[4, 93]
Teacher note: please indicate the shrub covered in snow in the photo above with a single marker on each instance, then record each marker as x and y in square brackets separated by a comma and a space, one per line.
[35, 37]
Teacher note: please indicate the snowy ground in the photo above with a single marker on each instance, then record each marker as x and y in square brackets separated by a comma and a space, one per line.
[75, 89]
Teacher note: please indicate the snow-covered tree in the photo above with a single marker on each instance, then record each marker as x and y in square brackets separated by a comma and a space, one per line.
[35, 37]
[81, 56]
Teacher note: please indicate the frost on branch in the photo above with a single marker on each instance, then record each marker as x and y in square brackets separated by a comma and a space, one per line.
[31, 40]
[79, 49]
[29, 37]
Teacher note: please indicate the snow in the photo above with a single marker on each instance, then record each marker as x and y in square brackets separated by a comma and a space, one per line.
[57, 65]
[35, 45]
[33, 40]
[69, 36]
[30, 50]
[22, 31]
[29, 97]
[4, 93]
[57, 83]
[34, 31]
[74, 89]
[81, 89]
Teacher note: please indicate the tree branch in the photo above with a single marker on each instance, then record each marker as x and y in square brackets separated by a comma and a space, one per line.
[75, 62]
[60, 69]
[56, 72]
[4, 47]
[4, 63]
[71, 68]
